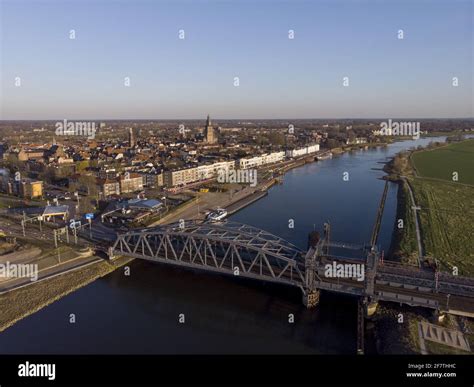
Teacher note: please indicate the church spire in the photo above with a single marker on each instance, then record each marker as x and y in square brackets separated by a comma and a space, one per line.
[209, 132]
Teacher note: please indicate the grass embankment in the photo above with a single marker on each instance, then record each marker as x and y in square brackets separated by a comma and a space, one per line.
[393, 337]
[402, 337]
[404, 246]
[447, 207]
[22, 302]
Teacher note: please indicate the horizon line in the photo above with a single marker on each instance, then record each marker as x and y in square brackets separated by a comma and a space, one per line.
[237, 119]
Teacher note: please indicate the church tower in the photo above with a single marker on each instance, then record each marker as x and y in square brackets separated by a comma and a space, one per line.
[209, 132]
[131, 138]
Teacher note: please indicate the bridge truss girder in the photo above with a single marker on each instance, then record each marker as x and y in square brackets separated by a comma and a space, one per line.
[234, 249]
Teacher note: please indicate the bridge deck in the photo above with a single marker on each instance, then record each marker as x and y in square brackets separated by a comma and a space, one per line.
[238, 249]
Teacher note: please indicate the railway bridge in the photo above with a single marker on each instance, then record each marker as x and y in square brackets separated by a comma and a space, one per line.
[242, 250]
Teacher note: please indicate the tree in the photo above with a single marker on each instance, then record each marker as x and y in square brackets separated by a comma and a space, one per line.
[87, 183]
[81, 166]
[332, 143]
[276, 138]
[48, 175]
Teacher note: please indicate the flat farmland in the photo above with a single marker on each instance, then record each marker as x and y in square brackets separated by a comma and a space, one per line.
[440, 163]
[446, 214]
[446, 223]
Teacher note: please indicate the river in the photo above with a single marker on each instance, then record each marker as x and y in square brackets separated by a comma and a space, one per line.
[139, 313]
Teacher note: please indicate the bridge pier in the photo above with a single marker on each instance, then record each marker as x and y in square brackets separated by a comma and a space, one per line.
[110, 253]
[311, 298]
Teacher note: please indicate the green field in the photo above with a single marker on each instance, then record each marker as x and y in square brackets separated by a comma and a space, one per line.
[447, 208]
[440, 163]
[446, 222]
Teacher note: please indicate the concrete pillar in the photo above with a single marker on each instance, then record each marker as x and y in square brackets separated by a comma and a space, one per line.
[110, 253]
[371, 308]
[311, 298]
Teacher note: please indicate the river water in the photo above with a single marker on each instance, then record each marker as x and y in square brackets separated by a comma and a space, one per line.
[139, 313]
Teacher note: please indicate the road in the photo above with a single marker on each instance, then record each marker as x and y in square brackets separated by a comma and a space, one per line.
[52, 271]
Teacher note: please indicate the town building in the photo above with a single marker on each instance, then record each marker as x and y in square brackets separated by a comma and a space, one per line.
[356, 140]
[152, 179]
[180, 177]
[108, 187]
[131, 182]
[208, 171]
[267, 158]
[30, 154]
[26, 188]
[51, 212]
[251, 162]
[298, 152]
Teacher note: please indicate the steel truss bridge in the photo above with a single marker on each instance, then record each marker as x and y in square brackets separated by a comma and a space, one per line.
[224, 247]
[242, 250]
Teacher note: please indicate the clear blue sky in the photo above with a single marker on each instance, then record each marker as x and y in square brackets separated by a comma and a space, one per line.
[279, 77]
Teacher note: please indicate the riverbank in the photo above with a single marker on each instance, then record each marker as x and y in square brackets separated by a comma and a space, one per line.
[243, 196]
[20, 303]
[397, 331]
[357, 147]
[443, 208]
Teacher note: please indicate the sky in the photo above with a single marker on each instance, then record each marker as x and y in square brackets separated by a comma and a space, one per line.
[278, 77]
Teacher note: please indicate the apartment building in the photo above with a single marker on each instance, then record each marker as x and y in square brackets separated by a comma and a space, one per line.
[180, 177]
[108, 187]
[191, 175]
[273, 157]
[252, 162]
[208, 171]
[131, 182]
[267, 158]
[302, 151]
